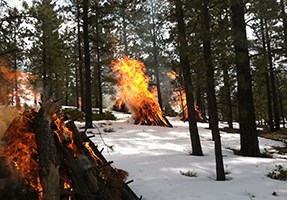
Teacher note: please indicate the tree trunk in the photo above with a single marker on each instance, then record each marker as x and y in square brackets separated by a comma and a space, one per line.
[268, 92]
[77, 86]
[272, 80]
[283, 14]
[281, 103]
[99, 78]
[81, 70]
[155, 52]
[88, 99]
[227, 96]
[125, 37]
[248, 133]
[184, 62]
[212, 105]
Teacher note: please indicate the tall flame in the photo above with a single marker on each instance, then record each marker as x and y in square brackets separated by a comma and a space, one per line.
[15, 85]
[135, 93]
[21, 150]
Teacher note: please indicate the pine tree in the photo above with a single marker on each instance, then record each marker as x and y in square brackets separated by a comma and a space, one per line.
[195, 140]
[248, 134]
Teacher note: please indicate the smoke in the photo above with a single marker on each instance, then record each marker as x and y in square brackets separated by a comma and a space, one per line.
[7, 115]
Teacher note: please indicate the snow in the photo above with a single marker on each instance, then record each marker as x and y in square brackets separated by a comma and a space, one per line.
[155, 157]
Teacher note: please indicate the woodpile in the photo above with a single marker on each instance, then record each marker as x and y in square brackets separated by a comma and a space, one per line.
[56, 161]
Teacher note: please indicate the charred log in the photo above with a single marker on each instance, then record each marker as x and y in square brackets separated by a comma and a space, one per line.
[114, 177]
[60, 162]
[48, 156]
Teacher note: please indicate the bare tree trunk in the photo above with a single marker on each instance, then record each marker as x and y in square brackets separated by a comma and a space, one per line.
[272, 80]
[268, 92]
[88, 99]
[184, 62]
[248, 133]
[212, 105]
[155, 53]
[123, 10]
[227, 96]
[283, 14]
[80, 57]
[99, 74]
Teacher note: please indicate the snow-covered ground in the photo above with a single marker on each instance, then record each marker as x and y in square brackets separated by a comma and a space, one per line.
[156, 156]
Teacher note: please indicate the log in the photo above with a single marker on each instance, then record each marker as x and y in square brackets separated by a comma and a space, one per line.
[76, 173]
[126, 193]
[48, 157]
[86, 178]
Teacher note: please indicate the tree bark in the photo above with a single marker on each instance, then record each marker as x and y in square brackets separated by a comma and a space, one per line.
[88, 99]
[248, 133]
[272, 80]
[212, 105]
[125, 37]
[155, 53]
[99, 74]
[80, 59]
[184, 62]
[227, 96]
[283, 14]
[268, 92]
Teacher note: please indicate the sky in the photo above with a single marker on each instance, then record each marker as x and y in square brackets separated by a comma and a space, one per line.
[18, 3]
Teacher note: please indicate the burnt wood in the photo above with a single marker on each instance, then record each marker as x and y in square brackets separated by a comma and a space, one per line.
[48, 156]
[126, 193]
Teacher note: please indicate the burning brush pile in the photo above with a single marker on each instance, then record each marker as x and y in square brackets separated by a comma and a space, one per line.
[135, 94]
[178, 99]
[44, 156]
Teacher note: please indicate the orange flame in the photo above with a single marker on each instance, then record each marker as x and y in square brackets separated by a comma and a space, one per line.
[21, 151]
[119, 103]
[172, 74]
[135, 93]
[20, 148]
[178, 99]
[64, 133]
[15, 85]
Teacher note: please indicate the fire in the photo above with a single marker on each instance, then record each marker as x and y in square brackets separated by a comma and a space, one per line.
[21, 151]
[64, 134]
[178, 99]
[15, 85]
[135, 93]
[20, 148]
[119, 104]
[180, 96]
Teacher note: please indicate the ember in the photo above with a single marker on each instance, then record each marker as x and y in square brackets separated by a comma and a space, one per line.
[135, 93]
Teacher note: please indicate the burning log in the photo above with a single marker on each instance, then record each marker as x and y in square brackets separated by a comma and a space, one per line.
[114, 177]
[48, 155]
[57, 162]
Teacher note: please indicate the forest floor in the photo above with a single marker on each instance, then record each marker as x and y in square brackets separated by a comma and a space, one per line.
[158, 160]
[280, 135]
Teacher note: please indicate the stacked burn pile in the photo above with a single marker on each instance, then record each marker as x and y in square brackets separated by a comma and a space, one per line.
[45, 157]
[135, 93]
